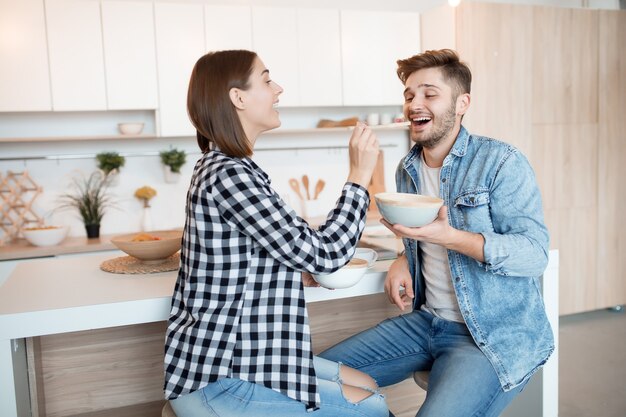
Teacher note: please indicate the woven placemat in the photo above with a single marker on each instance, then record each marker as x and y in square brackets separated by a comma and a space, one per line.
[131, 265]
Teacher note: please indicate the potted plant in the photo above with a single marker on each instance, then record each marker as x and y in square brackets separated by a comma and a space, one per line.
[145, 194]
[89, 197]
[110, 163]
[172, 159]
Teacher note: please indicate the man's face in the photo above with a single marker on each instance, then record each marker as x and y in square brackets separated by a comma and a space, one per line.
[431, 107]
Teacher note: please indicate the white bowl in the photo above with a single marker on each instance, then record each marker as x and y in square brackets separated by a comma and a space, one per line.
[45, 236]
[344, 277]
[367, 254]
[411, 210]
[130, 128]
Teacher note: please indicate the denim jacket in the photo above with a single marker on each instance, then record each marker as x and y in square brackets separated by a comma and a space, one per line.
[490, 188]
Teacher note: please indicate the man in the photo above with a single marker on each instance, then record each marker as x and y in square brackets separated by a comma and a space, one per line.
[478, 321]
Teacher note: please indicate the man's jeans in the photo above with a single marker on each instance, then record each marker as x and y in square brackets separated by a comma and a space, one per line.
[462, 382]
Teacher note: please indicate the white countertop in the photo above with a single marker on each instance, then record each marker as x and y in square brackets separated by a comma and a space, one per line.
[63, 295]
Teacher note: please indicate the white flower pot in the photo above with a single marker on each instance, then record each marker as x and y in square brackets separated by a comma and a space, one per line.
[170, 177]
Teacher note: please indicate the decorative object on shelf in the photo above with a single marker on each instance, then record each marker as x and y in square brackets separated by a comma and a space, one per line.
[45, 235]
[18, 192]
[90, 199]
[145, 194]
[130, 128]
[172, 159]
[351, 121]
[110, 163]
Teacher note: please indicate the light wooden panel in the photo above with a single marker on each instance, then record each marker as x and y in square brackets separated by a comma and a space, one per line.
[565, 70]
[96, 370]
[612, 157]
[494, 41]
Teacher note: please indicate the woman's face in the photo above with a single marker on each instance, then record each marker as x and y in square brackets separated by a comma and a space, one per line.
[258, 103]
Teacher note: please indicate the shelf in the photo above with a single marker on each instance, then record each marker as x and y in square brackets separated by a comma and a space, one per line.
[278, 132]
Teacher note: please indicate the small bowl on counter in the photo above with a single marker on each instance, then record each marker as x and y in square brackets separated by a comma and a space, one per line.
[347, 276]
[45, 235]
[411, 210]
[151, 247]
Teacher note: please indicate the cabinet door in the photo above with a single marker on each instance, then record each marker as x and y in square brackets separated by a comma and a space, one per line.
[372, 42]
[24, 78]
[180, 43]
[319, 57]
[275, 39]
[76, 59]
[227, 27]
[129, 55]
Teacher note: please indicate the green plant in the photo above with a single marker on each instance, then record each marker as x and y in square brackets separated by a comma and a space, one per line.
[89, 197]
[109, 161]
[173, 158]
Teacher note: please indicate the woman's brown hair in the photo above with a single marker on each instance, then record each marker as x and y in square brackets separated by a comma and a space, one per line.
[452, 68]
[208, 102]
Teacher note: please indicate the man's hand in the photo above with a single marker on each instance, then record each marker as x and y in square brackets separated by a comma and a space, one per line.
[308, 281]
[441, 233]
[398, 276]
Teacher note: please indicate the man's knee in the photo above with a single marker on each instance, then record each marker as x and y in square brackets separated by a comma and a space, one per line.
[355, 394]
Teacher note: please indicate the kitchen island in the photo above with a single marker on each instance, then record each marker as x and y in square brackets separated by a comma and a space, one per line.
[60, 296]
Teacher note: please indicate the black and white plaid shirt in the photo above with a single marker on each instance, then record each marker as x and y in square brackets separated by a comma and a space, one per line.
[238, 308]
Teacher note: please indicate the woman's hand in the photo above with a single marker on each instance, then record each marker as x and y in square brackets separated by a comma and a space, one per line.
[308, 281]
[399, 276]
[363, 151]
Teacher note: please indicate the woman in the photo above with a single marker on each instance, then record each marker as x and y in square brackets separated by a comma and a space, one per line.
[238, 340]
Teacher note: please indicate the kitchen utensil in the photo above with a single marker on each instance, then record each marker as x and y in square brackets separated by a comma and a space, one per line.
[344, 277]
[45, 236]
[295, 186]
[130, 128]
[411, 210]
[377, 184]
[305, 183]
[319, 186]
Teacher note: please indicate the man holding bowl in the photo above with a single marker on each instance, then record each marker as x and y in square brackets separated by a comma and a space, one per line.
[478, 322]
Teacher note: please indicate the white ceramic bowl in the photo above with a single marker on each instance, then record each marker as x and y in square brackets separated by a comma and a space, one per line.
[45, 236]
[150, 251]
[367, 254]
[411, 210]
[130, 128]
[344, 277]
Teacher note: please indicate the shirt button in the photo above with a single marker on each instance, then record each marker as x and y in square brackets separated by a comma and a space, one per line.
[481, 344]
[457, 279]
[443, 180]
[472, 200]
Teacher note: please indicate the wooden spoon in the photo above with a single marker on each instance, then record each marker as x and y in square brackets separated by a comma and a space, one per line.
[295, 186]
[318, 188]
[305, 183]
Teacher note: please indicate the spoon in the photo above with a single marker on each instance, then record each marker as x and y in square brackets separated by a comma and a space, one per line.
[295, 186]
[318, 188]
[305, 183]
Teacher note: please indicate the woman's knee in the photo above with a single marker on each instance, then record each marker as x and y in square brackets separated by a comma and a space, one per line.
[351, 376]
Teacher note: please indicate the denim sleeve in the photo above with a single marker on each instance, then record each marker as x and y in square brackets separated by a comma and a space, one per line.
[519, 244]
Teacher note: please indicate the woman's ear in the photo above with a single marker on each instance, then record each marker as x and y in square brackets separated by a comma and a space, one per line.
[236, 97]
[462, 104]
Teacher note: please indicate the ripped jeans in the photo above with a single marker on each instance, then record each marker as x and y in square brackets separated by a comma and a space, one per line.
[229, 397]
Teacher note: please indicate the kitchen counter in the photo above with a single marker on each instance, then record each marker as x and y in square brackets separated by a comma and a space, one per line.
[21, 249]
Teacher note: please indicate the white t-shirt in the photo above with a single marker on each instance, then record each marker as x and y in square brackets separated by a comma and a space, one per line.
[440, 297]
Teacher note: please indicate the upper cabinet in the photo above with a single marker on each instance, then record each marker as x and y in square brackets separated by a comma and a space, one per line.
[275, 39]
[319, 57]
[227, 27]
[371, 43]
[24, 78]
[76, 56]
[129, 55]
[180, 42]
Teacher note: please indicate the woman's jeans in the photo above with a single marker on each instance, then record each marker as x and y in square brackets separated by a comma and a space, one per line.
[229, 397]
[462, 382]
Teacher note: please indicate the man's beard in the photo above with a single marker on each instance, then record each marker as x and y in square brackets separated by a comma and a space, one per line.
[440, 131]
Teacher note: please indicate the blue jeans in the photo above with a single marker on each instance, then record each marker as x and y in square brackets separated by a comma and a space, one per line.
[230, 397]
[462, 382]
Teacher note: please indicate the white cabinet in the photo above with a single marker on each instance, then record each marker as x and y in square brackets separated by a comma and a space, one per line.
[372, 42]
[180, 43]
[227, 27]
[24, 79]
[319, 57]
[76, 58]
[129, 55]
[275, 39]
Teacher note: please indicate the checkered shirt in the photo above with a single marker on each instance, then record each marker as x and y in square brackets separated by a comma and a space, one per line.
[238, 308]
